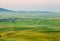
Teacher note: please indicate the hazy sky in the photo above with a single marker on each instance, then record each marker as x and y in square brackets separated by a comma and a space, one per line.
[48, 5]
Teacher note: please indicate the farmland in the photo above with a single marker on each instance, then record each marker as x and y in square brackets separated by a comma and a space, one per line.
[29, 28]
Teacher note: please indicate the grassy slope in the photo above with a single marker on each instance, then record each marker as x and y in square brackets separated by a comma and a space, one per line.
[33, 30]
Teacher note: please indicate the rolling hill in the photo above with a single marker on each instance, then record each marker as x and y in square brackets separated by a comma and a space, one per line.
[5, 10]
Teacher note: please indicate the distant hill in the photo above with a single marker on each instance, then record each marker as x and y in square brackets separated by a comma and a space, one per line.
[5, 10]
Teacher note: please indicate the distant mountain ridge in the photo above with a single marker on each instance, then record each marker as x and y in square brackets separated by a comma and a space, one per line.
[5, 10]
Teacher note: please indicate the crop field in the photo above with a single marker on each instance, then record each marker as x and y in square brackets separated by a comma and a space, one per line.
[29, 29]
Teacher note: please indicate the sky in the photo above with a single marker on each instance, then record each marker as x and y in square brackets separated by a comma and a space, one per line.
[31, 5]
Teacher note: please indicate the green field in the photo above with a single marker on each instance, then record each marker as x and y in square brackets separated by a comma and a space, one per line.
[29, 28]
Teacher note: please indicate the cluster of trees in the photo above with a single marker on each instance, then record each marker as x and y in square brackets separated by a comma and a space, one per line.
[8, 20]
[14, 19]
